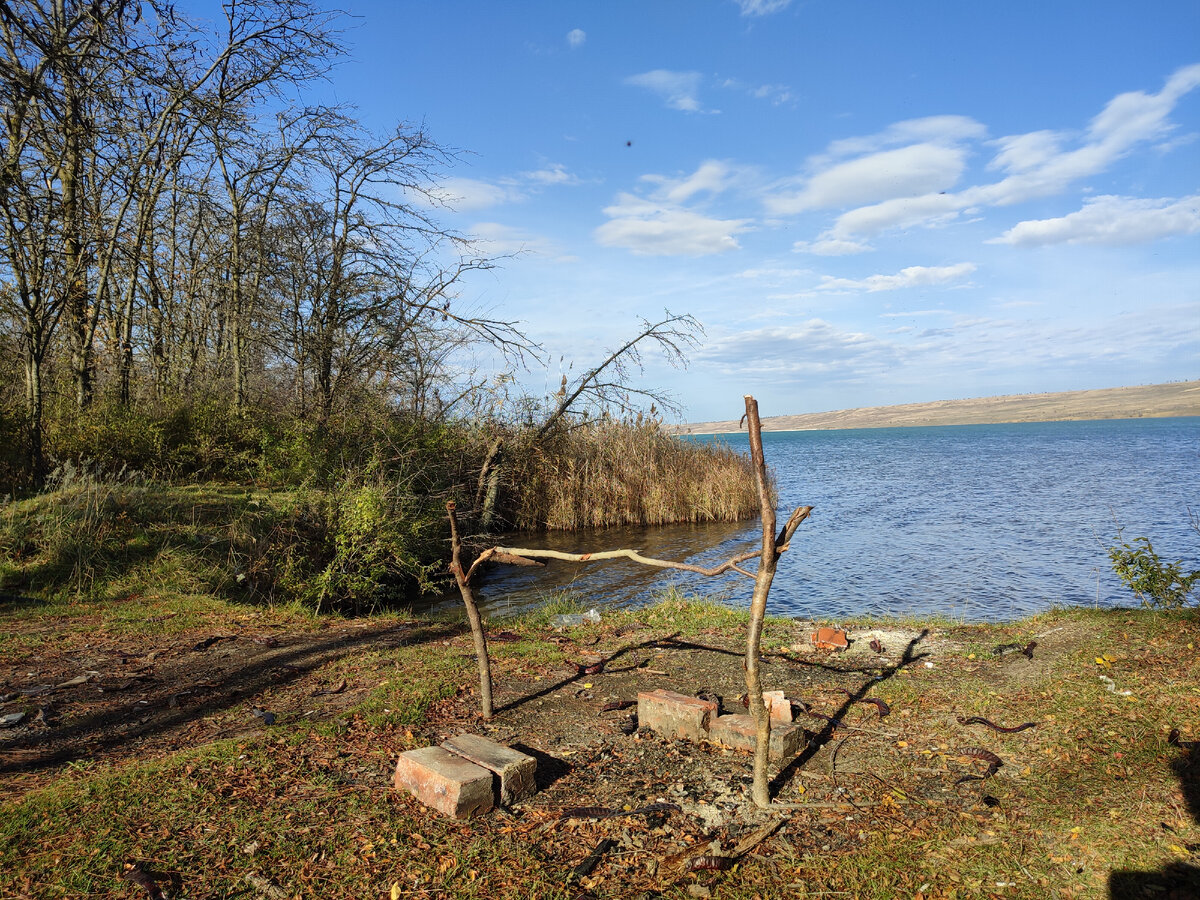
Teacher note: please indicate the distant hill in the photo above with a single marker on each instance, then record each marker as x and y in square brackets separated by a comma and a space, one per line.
[1146, 401]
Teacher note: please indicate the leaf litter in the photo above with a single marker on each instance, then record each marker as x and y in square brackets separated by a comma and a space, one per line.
[656, 812]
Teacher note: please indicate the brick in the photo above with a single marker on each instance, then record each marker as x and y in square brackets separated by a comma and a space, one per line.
[514, 770]
[675, 715]
[445, 781]
[826, 638]
[740, 733]
[779, 705]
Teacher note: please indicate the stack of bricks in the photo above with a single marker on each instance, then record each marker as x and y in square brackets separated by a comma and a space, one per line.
[676, 715]
[466, 776]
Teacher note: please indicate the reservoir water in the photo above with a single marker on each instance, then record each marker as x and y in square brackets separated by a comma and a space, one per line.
[976, 522]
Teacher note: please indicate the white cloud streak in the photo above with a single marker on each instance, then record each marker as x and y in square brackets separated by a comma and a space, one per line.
[905, 172]
[1111, 221]
[472, 194]
[1035, 164]
[576, 38]
[811, 348]
[910, 277]
[762, 7]
[497, 239]
[655, 228]
[661, 224]
[679, 90]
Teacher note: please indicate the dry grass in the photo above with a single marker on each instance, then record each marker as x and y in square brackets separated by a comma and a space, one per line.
[628, 474]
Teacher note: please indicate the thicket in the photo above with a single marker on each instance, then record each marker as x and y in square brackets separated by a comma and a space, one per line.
[343, 514]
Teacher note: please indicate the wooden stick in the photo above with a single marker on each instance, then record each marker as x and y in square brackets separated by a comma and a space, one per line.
[464, 588]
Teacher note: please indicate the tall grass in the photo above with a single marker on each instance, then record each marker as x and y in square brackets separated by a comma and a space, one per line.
[625, 473]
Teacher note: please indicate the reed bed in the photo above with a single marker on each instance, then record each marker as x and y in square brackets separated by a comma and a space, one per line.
[623, 473]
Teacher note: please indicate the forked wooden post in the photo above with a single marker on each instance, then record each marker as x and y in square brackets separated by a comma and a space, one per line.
[468, 597]
[772, 547]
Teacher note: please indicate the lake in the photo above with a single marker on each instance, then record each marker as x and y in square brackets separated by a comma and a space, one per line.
[976, 522]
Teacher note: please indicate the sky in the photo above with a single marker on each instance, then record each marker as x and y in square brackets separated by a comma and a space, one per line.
[864, 203]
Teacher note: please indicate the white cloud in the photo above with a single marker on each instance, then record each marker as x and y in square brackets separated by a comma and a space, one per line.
[679, 90]
[1036, 164]
[811, 348]
[830, 246]
[900, 212]
[966, 347]
[472, 194]
[711, 177]
[772, 275]
[761, 7]
[660, 224]
[467, 194]
[1112, 221]
[929, 129]
[555, 173]
[576, 38]
[653, 228]
[496, 239]
[1025, 152]
[905, 172]
[913, 276]
[775, 94]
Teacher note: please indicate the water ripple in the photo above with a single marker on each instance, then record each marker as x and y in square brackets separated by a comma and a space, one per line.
[981, 523]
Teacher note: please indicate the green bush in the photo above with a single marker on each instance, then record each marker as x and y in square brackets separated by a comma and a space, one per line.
[1157, 584]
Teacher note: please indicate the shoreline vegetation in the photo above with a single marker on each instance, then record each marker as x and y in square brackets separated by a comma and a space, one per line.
[346, 515]
[1143, 401]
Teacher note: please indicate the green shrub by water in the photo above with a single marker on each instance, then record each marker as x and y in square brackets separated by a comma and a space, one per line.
[1156, 583]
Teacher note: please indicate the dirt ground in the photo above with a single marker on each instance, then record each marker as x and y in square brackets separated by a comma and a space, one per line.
[100, 698]
[106, 699]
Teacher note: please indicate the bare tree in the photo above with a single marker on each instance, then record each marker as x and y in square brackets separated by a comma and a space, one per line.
[74, 75]
[608, 385]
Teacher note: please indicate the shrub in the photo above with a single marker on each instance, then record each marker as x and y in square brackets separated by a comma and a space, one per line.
[1157, 584]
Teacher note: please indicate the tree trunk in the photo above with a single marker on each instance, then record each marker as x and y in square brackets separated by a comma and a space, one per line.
[34, 406]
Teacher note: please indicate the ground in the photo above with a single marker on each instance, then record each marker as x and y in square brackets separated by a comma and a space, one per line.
[254, 759]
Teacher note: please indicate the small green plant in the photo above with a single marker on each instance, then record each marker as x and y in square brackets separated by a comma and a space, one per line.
[1157, 584]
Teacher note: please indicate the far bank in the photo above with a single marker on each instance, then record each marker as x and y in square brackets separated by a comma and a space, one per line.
[1142, 401]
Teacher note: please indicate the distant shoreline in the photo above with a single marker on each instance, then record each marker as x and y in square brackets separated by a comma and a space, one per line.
[1142, 402]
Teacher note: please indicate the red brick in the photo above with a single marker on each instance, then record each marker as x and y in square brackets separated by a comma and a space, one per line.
[779, 705]
[514, 770]
[444, 781]
[675, 715]
[826, 638]
[741, 733]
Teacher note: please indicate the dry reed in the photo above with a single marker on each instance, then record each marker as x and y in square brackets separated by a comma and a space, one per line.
[624, 473]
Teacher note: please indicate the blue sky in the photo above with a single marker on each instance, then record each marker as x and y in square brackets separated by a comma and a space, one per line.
[864, 203]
